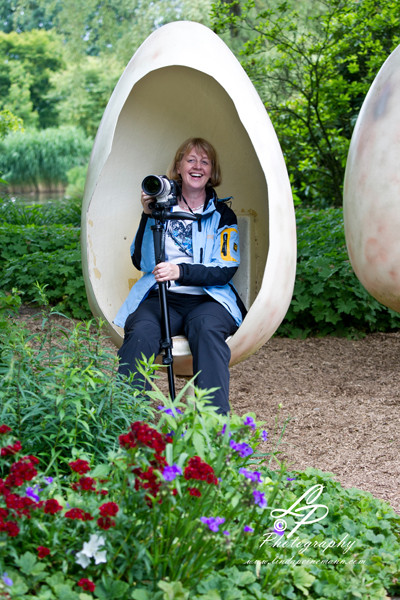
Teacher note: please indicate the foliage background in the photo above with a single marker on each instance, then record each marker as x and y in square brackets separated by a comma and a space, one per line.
[312, 64]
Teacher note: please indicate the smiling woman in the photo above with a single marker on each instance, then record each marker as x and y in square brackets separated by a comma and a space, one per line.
[199, 259]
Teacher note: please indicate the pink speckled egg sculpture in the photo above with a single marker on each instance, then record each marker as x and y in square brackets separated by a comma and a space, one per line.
[372, 188]
[183, 81]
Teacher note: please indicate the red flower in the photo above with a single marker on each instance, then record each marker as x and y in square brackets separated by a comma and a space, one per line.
[43, 551]
[200, 470]
[105, 522]
[4, 429]
[194, 492]
[78, 514]
[11, 450]
[51, 506]
[88, 484]
[10, 527]
[86, 584]
[109, 509]
[80, 466]
[21, 471]
[147, 480]
[143, 434]
[20, 504]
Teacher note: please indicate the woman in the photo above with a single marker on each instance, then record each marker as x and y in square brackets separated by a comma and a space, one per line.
[202, 256]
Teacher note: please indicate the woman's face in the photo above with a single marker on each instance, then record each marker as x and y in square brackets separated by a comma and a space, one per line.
[195, 169]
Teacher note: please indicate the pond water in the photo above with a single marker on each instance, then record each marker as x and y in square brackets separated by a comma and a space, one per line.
[36, 198]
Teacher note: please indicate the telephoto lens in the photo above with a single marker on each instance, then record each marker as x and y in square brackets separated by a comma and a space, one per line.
[152, 185]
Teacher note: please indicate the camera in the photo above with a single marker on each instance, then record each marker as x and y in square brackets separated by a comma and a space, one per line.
[162, 189]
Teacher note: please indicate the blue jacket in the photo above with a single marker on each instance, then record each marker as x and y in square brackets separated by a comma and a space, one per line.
[216, 257]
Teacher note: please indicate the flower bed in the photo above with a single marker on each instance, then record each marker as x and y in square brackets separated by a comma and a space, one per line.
[189, 508]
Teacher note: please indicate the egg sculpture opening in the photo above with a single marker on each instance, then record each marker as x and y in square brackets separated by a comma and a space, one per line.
[184, 81]
[371, 199]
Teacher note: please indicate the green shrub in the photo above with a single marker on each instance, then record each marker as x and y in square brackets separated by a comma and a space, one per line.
[328, 298]
[43, 252]
[61, 212]
[59, 271]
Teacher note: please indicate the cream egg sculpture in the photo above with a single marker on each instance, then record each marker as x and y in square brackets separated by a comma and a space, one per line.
[183, 81]
[371, 205]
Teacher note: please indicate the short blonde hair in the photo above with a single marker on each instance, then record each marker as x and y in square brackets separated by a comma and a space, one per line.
[201, 145]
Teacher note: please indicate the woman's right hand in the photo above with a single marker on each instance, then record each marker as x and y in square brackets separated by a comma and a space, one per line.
[146, 200]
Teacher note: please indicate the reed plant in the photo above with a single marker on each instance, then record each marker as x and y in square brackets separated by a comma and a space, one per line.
[40, 159]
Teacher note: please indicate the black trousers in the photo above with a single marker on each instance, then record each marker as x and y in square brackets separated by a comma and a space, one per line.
[206, 325]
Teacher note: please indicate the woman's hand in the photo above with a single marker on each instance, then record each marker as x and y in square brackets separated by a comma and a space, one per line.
[166, 271]
[146, 200]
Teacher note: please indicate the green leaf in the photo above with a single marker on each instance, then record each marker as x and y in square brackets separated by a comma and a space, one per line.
[302, 579]
[110, 589]
[173, 590]
[198, 442]
[142, 594]
[27, 562]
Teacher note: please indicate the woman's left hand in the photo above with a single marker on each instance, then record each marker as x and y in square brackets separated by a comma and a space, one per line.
[166, 271]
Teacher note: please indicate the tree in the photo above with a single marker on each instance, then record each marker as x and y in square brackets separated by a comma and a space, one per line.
[81, 91]
[26, 63]
[9, 122]
[313, 71]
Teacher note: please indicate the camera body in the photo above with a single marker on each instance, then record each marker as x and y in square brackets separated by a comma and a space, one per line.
[163, 190]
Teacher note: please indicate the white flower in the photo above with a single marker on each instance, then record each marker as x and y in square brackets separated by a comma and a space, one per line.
[82, 559]
[91, 549]
[100, 557]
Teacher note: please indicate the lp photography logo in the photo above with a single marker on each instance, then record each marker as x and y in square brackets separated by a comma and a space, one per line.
[305, 511]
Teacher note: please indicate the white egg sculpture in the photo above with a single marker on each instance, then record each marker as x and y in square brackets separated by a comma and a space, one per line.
[183, 81]
[371, 205]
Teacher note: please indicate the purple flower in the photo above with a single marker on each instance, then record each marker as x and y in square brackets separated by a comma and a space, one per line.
[223, 431]
[48, 480]
[291, 478]
[226, 533]
[7, 580]
[252, 475]
[170, 472]
[212, 522]
[250, 422]
[33, 492]
[170, 411]
[248, 529]
[243, 449]
[264, 435]
[259, 498]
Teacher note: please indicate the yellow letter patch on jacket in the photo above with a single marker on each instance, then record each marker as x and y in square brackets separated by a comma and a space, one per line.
[230, 244]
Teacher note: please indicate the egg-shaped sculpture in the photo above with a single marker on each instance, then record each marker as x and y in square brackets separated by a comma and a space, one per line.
[184, 81]
[371, 199]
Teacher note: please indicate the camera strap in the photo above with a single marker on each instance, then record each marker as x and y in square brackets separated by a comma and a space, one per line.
[193, 213]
